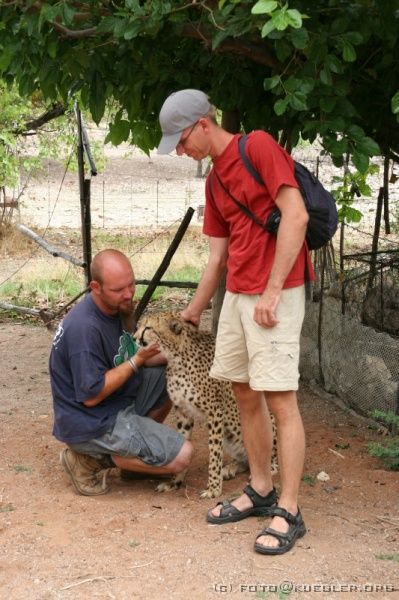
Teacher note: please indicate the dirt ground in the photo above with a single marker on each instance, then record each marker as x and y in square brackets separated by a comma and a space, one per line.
[136, 543]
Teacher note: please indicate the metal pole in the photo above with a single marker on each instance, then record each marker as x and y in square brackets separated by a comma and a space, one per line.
[164, 264]
[84, 193]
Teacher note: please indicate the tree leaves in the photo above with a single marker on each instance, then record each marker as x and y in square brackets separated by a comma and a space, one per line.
[264, 7]
[97, 97]
[395, 105]
[119, 132]
[327, 70]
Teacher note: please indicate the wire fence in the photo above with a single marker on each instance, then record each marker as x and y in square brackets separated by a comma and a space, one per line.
[137, 191]
[356, 286]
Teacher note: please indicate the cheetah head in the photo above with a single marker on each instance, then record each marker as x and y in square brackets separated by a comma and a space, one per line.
[167, 328]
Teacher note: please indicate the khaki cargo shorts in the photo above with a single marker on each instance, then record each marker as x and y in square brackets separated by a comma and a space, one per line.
[267, 359]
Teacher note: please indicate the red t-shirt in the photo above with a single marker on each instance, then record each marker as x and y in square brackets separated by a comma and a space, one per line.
[251, 248]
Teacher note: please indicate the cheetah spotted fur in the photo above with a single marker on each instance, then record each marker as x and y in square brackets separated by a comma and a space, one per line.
[189, 353]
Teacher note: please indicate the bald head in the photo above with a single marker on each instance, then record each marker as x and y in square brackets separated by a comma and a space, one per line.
[108, 263]
[112, 282]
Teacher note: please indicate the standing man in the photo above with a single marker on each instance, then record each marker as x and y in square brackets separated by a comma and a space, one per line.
[257, 345]
[109, 400]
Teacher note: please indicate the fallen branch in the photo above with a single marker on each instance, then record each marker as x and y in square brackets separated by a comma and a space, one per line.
[337, 453]
[90, 580]
[21, 309]
[104, 577]
[48, 247]
[391, 521]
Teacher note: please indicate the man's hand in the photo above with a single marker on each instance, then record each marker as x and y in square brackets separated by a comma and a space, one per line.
[146, 352]
[290, 237]
[265, 309]
[189, 315]
[209, 280]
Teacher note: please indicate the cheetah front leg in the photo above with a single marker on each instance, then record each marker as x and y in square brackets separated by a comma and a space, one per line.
[185, 426]
[215, 442]
[235, 447]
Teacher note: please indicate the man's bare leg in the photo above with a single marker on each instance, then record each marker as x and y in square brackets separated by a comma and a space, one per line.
[291, 456]
[257, 433]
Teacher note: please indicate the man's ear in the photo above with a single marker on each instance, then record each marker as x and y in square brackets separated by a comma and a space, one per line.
[204, 123]
[94, 286]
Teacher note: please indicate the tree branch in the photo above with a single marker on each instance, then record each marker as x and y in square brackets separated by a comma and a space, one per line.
[76, 34]
[56, 111]
[251, 51]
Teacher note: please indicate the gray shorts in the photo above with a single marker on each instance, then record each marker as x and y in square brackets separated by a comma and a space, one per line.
[136, 436]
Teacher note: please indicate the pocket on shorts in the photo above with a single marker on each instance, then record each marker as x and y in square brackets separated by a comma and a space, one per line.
[278, 370]
[154, 443]
[134, 448]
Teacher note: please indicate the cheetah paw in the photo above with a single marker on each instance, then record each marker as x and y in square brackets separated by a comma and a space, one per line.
[229, 471]
[168, 486]
[210, 493]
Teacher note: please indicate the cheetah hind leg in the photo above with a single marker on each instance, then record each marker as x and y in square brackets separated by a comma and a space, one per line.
[231, 469]
[185, 426]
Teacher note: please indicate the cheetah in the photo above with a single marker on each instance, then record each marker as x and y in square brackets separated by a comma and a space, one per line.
[189, 353]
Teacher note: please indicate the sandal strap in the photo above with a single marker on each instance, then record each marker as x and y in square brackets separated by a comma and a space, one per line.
[291, 519]
[227, 510]
[258, 500]
[282, 538]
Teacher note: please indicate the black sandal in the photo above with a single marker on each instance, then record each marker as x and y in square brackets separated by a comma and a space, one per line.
[286, 540]
[261, 506]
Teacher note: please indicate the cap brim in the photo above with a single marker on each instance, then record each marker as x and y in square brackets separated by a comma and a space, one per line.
[168, 143]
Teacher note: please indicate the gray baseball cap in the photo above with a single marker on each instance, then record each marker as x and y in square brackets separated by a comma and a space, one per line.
[180, 110]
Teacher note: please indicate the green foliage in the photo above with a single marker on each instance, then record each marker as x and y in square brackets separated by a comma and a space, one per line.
[50, 290]
[309, 68]
[394, 557]
[41, 291]
[185, 273]
[352, 185]
[388, 452]
[395, 105]
[309, 480]
[19, 156]
[13, 112]
[22, 469]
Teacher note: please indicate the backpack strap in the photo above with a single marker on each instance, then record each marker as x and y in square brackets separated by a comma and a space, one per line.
[244, 157]
[240, 205]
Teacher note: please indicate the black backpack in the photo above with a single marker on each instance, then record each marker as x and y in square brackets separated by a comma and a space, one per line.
[320, 204]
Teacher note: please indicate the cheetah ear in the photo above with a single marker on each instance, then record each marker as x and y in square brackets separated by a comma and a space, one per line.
[176, 326]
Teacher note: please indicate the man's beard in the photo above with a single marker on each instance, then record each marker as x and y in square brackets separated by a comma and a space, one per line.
[127, 308]
[127, 317]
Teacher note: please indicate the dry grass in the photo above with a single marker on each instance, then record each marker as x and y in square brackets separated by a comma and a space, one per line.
[29, 276]
[13, 243]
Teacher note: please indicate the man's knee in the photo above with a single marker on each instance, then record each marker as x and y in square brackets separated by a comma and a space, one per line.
[283, 405]
[247, 399]
[183, 459]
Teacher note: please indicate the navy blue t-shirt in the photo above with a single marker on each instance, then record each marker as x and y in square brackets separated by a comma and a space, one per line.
[86, 345]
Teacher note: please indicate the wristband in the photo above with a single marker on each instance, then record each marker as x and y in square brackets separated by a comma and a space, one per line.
[133, 364]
